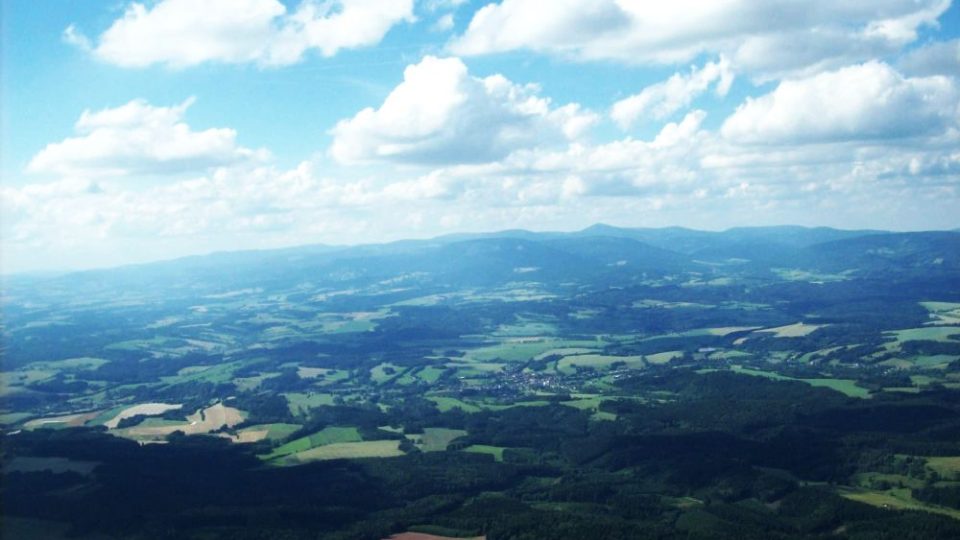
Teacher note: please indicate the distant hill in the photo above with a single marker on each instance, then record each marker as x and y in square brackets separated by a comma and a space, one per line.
[611, 255]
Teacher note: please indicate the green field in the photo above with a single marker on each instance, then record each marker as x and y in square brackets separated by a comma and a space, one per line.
[495, 451]
[521, 349]
[328, 435]
[345, 450]
[436, 439]
[845, 386]
[430, 374]
[568, 364]
[445, 404]
[84, 363]
[896, 499]
[385, 372]
[300, 403]
[947, 467]
[663, 357]
[221, 373]
[275, 432]
[929, 333]
[246, 384]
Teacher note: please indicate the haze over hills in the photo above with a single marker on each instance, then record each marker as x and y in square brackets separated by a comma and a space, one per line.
[793, 244]
[662, 383]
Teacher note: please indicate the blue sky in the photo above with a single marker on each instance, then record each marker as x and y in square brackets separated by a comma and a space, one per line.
[141, 131]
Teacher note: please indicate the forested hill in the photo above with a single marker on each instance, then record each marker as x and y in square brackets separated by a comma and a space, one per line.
[616, 255]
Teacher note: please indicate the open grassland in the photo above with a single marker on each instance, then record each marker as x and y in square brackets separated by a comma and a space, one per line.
[475, 369]
[273, 432]
[70, 364]
[942, 312]
[430, 374]
[246, 384]
[68, 420]
[300, 403]
[436, 439]
[569, 364]
[385, 372]
[929, 333]
[495, 451]
[845, 386]
[345, 450]
[567, 351]
[522, 349]
[799, 329]
[934, 361]
[221, 373]
[796, 274]
[525, 328]
[24, 377]
[147, 409]
[947, 467]
[311, 372]
[328, 435]
[871, 480]
[663, 357]
[895, 499]
[446, 403]
[9, 418]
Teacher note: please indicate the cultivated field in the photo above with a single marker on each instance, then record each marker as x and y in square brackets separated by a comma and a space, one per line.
[203, 421]
[146, 409]
[348, 450]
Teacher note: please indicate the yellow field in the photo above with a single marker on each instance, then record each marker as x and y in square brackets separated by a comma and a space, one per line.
[205, 421]
[149, 409]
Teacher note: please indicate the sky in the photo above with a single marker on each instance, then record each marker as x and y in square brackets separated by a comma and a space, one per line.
[140, 131]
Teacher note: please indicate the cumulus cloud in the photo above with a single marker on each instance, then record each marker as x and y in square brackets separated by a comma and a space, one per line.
[760, 36]
[181, 33]
[866, 101]
[936, 58]
[660, 100]
[139, 138]
[441, 114]
[686, 174]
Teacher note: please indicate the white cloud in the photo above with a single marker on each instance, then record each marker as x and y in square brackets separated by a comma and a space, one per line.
[441, 5]
[684, 175]
[183, 33]
[139, 138]
[443, 24]
[866, 101]
[660, 100]
[72, 36]
[936, 58]
[760, 36]
[441, 114]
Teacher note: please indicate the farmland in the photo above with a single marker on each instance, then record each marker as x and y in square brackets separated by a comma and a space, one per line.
[552, 394]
